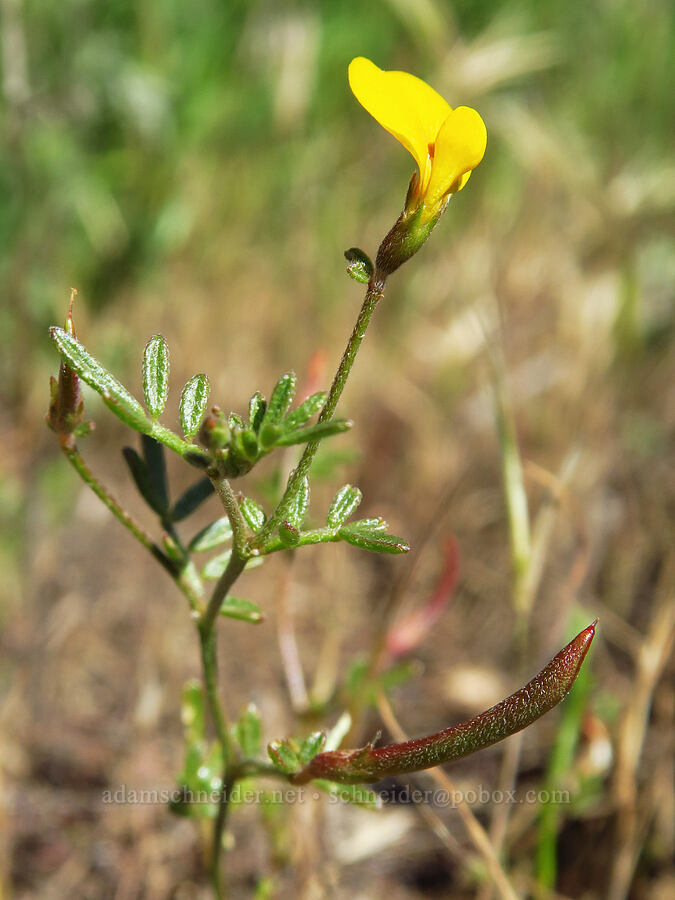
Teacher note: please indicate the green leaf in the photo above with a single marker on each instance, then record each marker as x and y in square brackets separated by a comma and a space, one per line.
[156, 375]
[265, 888]
[249, 444]
[305, 411]
[343, 506]
[155, 460]
[192, 711]
[350, 793]
[193, 402]
[202, 772]
[376, 523]
[289, 534]
[360, 266]
[83, 429]
[281, 399]
[269, 435]
[256, 411]
[312, 745]
[185, 808]
[129, 410]
[173, 551]
[248, 731]
[215, 534]
[284, 757]
[142, 480]
[297, 507]
[115, 395]
[314, 432]
[360, 684]
[244, 610]
[191, 498]
[373, 540]
[195, 457]
[253, 513]
[215, 567]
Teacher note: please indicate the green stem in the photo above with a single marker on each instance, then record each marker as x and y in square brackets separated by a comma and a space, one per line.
[218, 829]
[188, 577]
[183, 578]
[373, 295]
[208, 643]
[231, 507]
[235, 567]
[171, 440]
[243, 549]
[209, 653]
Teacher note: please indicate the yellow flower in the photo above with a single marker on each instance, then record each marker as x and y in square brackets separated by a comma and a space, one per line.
[447, 143]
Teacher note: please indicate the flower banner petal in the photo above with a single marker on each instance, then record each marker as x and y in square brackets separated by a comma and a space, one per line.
[406, 106]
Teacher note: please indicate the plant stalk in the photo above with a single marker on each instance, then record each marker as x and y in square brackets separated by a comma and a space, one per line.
[243, 548]
[373, 295]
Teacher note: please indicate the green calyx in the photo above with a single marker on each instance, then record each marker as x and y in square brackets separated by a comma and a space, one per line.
[411, 230]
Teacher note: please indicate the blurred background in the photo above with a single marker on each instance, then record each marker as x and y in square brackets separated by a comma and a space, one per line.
[198, 170]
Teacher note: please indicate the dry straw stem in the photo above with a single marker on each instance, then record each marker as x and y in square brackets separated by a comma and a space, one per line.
[475, 830]
[542, 532]
[651, 657]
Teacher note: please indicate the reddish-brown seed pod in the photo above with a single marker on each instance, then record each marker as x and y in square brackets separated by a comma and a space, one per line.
[542, 693]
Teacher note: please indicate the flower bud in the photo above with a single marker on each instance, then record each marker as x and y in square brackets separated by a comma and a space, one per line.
[214, 433]
[66, 409]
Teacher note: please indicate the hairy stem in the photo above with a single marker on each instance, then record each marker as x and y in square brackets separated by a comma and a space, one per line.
[373, 295]
[235, 567]
[231, 506]
[209, 652]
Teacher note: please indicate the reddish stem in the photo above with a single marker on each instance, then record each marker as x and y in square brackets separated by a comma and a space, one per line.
[546, 690]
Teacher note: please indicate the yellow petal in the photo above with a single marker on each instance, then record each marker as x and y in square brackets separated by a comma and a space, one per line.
[403, 104]
[460, 146]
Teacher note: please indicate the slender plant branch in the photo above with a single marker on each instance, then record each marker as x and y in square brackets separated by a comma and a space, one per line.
[208, 637]
[373, 295]
[235, 567]
[217, 876]
[228, 499]
[183, 578]
[243, 549]
[77, 461]
[209, 653]
[208, 644]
